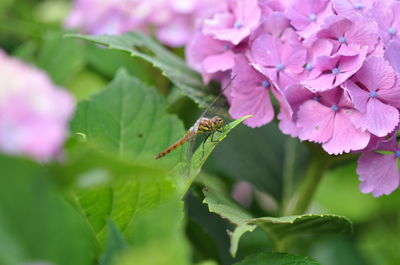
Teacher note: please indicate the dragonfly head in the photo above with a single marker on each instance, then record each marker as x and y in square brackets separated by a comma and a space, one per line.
[217, 122]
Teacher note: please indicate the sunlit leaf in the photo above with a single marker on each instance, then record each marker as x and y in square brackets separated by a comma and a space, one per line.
[110, 189]
[130, 120]
[199, 157]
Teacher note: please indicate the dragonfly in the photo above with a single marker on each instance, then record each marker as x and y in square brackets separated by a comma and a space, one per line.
[202, 126]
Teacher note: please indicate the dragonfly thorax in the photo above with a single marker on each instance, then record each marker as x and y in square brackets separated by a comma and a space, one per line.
[206, 125]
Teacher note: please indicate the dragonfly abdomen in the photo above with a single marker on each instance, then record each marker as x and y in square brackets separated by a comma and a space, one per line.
[184, 139]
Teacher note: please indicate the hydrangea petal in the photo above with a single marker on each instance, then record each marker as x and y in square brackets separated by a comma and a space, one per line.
[315, 122]
[294, 58]
[347, 7]
[295, 95]
[256, 103]
[199, 48]
[378, 173]
[358, 96]
[265, 49]
[249, 96]
[392, 55]
[301, 13]
[380, 119]
[322, 83]
[391, 95]
[345, 136]
[364, 31]
[219, 62]
[236, 26]
[390, 144]
[287, 125]
[276, 23]
[375, 74]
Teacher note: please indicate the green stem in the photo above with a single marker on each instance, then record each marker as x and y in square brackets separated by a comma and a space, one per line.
[287, 175]
[320, 163]
[300, 202]
[302, 199]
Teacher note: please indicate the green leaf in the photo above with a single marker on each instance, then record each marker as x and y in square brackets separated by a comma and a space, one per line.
[159, 238]
[85, 83]
[107, 62]
[172, 66]
[35, 222]
[59, 57]
[184, 179]
[110, 189]
[276, 227]
[129, 119]
[141, 201]
[276, 259]
[114, 245]
[203, 245]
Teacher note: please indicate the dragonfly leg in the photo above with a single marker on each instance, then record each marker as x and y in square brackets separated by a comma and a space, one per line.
[208, 135]
[212, 137]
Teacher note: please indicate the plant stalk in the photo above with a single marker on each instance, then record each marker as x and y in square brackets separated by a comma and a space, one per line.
[302, 199]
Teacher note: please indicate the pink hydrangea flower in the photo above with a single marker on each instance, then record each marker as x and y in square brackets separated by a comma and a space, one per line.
[332, 71]
[319, 47]
[278, 25]
[234, 24]
[307, 16]
[379, 173]
[327, 120]
[209, 56]
[387, 16]
[283, 63]
[349, 34]
[348, 7]
[375, 92]
[34, 112]
[250, 94]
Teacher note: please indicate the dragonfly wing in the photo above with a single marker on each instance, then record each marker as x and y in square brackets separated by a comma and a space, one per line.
[186, 157]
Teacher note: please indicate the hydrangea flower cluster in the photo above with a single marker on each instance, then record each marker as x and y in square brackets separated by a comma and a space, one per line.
[173, 22]
[34, 112]
[333, 66]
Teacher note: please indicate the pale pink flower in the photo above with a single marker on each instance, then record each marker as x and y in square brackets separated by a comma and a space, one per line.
[34, 113]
